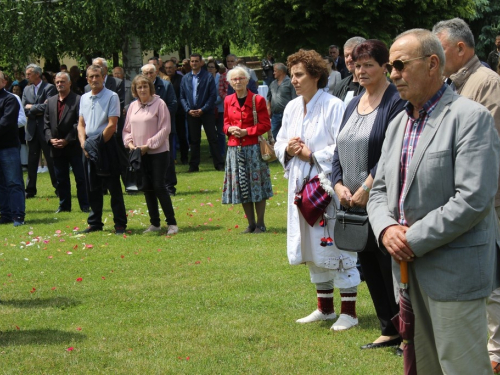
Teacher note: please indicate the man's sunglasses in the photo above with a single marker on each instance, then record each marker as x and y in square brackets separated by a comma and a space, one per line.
[399, 65]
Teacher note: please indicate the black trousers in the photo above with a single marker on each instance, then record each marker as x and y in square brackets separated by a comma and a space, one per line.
[35, 147]
[194, 125]
[171, 176]
[180, 127]
[155, 167]
[377, 272]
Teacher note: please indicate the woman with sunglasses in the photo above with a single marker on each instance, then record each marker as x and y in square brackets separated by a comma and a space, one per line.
[247, 180]
[359, 145]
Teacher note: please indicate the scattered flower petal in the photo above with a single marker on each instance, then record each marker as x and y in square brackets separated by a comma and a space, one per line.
[70, 349]
[78, 328]
[58, 231]
[79, 279]
[69, 252]
[89, 246]
[122, 256]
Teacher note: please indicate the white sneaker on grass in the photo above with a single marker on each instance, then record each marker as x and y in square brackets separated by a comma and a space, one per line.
[316, 316]
[172, 229]
[152, 228]
[344, 322]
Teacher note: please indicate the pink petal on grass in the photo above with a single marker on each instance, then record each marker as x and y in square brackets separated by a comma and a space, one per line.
[70, 349]
[62, 240]
[30, 233]
[102, 277]
[53, 288]
[197, 262]
[76, 229]
[79, 279]
[89, 246]
[122, 256]
[50, 257]
[236, 226]
[69, 252]
[45, 241]
[78, 328]
[58, 231]
[75, 247]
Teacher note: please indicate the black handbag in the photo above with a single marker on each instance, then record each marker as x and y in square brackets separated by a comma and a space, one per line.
[350, 231]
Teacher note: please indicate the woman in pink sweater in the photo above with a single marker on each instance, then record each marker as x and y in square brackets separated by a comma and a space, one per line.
[147, 128]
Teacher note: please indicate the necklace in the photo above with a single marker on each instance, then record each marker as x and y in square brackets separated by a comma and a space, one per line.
[363, 110]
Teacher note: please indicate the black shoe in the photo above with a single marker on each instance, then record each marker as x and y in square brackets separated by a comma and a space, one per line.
[30, 195]
[90, 230]
[86, 209]
[184, 161]
[193, 169]
[399, 352]
[119, 230]
[384, 344]
[60, 209]
[4, 220]
[220, 169]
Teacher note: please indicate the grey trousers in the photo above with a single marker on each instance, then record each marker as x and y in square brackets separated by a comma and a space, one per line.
[493, 313]
[450, 337]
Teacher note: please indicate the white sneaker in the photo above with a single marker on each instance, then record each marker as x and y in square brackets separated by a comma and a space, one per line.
[316, 316]
[39, 170]
[344, 322]
[152, 228]
[172, 229]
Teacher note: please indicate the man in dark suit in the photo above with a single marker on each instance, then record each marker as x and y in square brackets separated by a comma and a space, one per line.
[166, 92]
[334, 53]
[34, 98]
[60, 127]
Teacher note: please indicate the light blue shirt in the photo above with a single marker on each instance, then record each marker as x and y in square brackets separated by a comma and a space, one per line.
[96, 109]
[195, 86]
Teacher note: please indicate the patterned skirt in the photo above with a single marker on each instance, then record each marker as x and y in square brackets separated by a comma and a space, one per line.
[256, 176]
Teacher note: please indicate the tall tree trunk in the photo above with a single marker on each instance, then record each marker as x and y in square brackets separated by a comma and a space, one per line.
[116, 61]
[132, 57]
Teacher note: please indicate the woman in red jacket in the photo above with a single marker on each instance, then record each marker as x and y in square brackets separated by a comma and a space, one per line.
[247, 180]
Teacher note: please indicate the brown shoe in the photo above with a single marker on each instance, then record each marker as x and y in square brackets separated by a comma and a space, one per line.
[496, 367]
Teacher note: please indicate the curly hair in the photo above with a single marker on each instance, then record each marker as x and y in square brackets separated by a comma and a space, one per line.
[313, 63]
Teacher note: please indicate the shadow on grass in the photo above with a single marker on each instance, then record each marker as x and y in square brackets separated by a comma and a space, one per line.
[56, 302]
[42, 220]
[194, 192]
[39, 337]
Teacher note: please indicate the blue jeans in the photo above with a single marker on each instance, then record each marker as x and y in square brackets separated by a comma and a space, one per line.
[12, 204]
[276, 120]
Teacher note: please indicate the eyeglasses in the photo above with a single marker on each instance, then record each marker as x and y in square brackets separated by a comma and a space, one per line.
[238, 79]
[399, 65]
[210, 67]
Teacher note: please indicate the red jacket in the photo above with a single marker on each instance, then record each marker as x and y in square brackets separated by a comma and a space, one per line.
[243, 117]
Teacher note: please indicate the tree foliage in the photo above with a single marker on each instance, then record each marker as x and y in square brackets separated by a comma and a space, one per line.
[284, 26]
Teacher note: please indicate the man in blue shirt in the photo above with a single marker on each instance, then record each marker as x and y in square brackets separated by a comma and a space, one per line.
[99, 113]
[198, 96]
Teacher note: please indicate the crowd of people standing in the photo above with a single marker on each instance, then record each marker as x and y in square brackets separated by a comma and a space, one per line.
[407, 135]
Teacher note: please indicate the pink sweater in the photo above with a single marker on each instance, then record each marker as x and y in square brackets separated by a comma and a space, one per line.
[148, 125]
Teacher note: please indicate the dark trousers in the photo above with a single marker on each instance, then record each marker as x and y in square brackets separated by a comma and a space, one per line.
[35, 147]
[194, 126]
[171, 177]
[122, 154]
[221, 137]
[114, 187]
[61, 169]
[180, 127]
[155, 167]
[377, 272]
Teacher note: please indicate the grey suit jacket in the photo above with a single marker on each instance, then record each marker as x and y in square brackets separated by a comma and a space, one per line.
[66, 127]
[35, 114]
[449, 204]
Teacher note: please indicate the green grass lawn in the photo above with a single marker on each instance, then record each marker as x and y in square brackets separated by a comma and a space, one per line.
[205, 301]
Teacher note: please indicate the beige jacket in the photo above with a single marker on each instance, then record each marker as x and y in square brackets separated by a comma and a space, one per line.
[478, 83]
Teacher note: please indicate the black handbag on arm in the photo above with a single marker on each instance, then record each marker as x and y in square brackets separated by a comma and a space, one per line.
[351, 230]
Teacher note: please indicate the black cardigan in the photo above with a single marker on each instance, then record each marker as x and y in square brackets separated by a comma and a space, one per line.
[390, 105]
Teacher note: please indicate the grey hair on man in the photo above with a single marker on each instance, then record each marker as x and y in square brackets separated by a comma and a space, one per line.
[429, 44]
[94, 68]
[64, 74]
[36, 69]
[101, 59]
[353, 42]
[232, 55]
[281, 67]
[457, 31]
[148, 67]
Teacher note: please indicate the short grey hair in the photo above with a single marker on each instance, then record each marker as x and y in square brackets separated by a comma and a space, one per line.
[353, 42]
[95, 68]
[237, 70]
[35, 68]
[102, 59]
[281, 67]
[232, 55]
[457, 30]
[148, 67]
[429, 45]
[60, 74]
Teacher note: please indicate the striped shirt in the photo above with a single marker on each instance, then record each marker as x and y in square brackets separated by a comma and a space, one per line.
[413, 130]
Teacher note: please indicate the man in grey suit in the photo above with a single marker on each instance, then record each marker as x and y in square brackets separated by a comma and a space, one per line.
[34, 97]
[60, 128]
[432, 205]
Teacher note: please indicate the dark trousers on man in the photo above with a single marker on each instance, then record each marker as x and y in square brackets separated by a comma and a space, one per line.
[61, 169]
[180, 127]
[35, 147]
[171, 176]
[194, 127]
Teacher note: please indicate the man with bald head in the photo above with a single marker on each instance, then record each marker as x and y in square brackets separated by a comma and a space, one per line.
[12, 203]
[432, 206]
